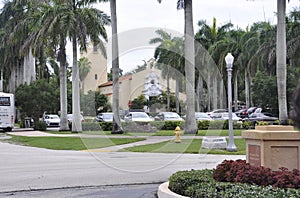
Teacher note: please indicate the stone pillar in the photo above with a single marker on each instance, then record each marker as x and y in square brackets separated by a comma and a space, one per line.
[273, 146]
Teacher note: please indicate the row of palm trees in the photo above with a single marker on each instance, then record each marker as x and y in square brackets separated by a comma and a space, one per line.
[255, 48]
[40, 28]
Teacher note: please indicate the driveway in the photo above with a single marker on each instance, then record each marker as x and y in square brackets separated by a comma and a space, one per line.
[28, 168]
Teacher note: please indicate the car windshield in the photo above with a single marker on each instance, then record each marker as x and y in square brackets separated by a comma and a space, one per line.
[53, 117]
[140, 115]
[171, 115]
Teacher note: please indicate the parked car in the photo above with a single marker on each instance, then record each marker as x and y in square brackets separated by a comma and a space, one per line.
[225, 116]
[261, 116]
[251, 110]
[242, 113]
[168, 116]
[137, 117]
[70, 119]
[200, 116]
[104, 117]
[216, 112]
[51, 120]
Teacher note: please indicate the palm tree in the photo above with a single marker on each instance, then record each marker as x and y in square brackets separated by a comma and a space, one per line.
[189, 51]
[163, 60]
[117, 127]
[281, 61]
[84, 69]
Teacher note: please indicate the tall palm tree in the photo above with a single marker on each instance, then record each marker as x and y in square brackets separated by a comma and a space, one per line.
[84, 69]
[169, 56]
[281, 61]
[189, 51]
[117, 127]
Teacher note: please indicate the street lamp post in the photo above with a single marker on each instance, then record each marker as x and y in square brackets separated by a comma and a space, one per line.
[229, 62]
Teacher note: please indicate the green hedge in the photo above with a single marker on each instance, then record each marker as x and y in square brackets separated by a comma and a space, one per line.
[40, 126]
[200, 183]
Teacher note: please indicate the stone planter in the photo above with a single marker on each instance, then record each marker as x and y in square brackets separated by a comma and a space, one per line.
[273, 146]
[164, 192]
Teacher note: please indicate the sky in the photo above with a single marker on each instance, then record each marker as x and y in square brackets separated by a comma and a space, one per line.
[138, 20]
[133, 15]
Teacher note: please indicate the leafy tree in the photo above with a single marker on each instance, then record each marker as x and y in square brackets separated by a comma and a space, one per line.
[139, 102]
[92, 101]
[34, 99]
[264, 90]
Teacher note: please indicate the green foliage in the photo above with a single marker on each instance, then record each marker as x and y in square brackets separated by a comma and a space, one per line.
[200, 183]
[91, 126]
[34, 99]
[171, 125]
[264, 90]
[106, 126]
[92, 101]
[203, 124]
[139, 102]
[40, 126]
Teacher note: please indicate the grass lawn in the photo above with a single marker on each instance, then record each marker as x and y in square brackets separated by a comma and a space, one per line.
[70, 143]
[187, 146]
[158, 133]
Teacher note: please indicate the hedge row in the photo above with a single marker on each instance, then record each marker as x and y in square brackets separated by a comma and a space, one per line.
[200, 183]
[159, 125]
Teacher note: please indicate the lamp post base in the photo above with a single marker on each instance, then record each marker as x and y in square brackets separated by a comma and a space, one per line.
[231, 148]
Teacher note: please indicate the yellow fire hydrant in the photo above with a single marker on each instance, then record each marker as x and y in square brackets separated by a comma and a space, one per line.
[177, 134]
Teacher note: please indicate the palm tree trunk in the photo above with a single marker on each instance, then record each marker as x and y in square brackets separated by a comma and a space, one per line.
[281, 62]
[76, 122]
[117, 127]
[200, 91]
[215, 91]
[208, 90]
[168, 89]
[63, 87]
[247, 90]
[189, 50]
[177, 96]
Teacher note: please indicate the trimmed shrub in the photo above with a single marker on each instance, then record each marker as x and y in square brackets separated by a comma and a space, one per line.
[200, 183]
[138, 127]
[203, 124]
[91, 126]
[106, 126]
[40, 126]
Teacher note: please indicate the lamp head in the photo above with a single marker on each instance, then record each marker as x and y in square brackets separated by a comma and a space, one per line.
[229, 59]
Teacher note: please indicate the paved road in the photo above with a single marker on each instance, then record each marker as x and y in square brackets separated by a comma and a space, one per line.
[26, 168]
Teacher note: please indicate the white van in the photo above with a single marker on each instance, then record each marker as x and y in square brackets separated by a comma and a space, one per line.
[7, 111]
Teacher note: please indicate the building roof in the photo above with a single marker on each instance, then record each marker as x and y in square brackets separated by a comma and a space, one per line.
[122, 78]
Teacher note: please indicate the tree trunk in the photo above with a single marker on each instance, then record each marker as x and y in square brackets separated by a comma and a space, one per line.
[200, 91]
[117, 127]
[281, 62]
[177, 96]
[215, 90]
[168, 88]
[247, 89]
[189, 50]
[76, 122]
[208, 90]
[63, 87]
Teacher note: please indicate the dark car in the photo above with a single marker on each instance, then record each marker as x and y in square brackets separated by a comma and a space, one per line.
[261, 116]
[104, 117]
[242, 113]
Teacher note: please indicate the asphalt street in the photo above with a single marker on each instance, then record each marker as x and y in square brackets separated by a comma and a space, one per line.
[35, 170]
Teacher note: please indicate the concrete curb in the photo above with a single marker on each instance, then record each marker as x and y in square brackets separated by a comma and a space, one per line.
[164, 192]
